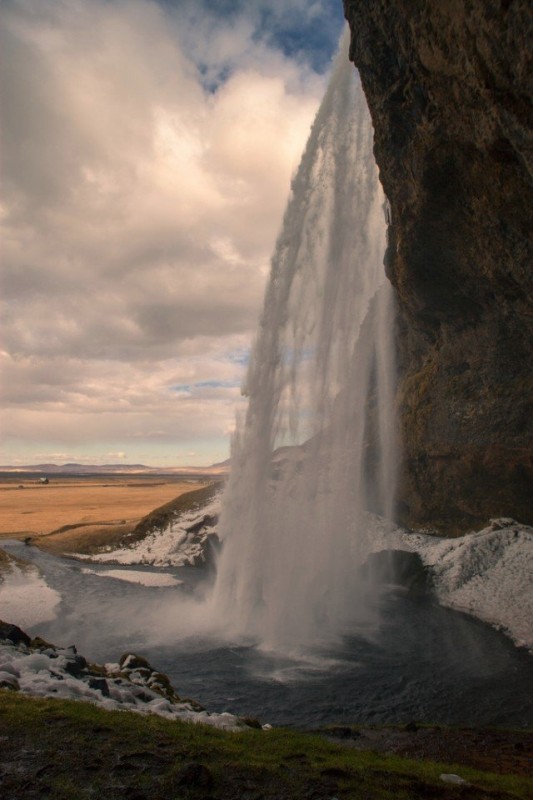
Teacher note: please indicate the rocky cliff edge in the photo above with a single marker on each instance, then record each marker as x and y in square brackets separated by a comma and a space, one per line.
[449, 86]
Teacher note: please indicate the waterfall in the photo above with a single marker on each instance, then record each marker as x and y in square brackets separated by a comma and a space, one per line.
[315, 451]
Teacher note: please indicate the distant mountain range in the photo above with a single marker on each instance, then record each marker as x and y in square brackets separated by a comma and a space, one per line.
[116, 469]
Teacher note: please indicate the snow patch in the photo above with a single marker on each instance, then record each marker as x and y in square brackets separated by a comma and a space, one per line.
[136, 576]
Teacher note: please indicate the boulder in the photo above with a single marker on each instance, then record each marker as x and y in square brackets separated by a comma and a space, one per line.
[14, 634]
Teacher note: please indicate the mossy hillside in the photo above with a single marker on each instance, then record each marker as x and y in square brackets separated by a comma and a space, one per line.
[162, 517]
[70, 750]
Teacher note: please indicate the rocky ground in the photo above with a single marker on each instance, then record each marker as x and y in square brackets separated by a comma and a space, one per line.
[491, 750]
[39, 668]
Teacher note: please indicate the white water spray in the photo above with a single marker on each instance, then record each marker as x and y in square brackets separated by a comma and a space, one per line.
[294, 521]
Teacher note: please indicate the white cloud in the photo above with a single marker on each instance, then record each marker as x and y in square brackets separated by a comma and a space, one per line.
[140, 207]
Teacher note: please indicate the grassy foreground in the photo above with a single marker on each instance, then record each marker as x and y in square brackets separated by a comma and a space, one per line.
[71, 750]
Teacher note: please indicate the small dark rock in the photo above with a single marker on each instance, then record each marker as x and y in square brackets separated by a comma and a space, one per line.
[75, 665]
[251, 722]
[161, 684]
[399, 568]
[100, 685]
[195, 775]
[193, 704]
[13, 633]
[38, 643]
[140, 694]
[206, 521]
[131, 661]
[10, 683]
[144, 672]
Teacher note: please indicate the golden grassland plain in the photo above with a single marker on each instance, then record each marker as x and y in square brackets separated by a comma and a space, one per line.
[101, 509]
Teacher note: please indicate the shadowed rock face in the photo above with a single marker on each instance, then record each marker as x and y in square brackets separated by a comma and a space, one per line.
[449, 88]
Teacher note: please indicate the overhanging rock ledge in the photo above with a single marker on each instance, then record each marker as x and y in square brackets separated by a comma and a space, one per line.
[449, 86]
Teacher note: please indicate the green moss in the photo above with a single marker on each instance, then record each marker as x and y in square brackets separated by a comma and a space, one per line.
[98, 670]
[415, 401]
[38, 643]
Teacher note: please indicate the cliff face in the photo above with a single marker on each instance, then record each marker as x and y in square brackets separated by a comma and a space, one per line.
[449, 86]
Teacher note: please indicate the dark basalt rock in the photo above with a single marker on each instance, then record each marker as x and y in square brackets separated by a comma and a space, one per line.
[100, 684]
[13, 633]
[9, 682]
[75, 665]
[133, 661]
[398, 567]
[450, 93]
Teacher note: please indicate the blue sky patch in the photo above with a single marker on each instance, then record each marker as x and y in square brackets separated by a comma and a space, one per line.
[189, 388]
[307, 32]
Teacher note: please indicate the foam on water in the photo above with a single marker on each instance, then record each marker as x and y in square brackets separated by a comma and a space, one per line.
[321, 381]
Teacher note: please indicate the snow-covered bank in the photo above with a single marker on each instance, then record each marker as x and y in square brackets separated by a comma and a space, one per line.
[488, 574]
[185, 541]
[37, 668]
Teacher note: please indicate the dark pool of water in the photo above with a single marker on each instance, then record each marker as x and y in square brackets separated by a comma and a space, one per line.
[426, 663]
[423, 663]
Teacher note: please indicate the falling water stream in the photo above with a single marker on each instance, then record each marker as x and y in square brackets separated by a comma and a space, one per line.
[316, 449]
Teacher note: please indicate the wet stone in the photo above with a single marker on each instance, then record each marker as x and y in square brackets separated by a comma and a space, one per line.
[100, 685]
[13, 633]
[75, 665]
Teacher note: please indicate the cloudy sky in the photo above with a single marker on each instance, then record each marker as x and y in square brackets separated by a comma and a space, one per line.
[147, 152]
